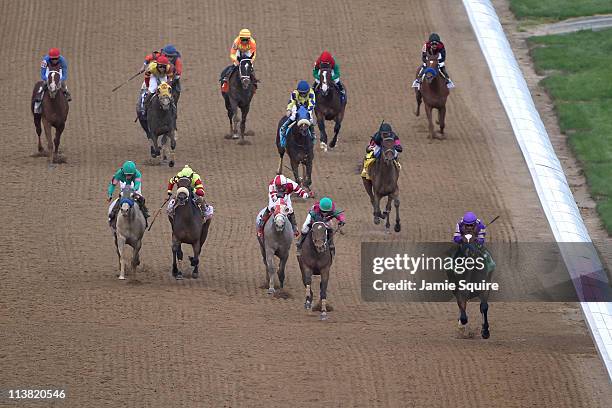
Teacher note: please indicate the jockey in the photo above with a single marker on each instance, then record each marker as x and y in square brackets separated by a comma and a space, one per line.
[470, 224]
[243, 47]
[280, 187]
[303, 96]
[374, 147]
[432, 47]
[127, 173]
[54, 61]
[173, 55]
[327, 58]
[156, 73]
[196, 187]
[323, 211]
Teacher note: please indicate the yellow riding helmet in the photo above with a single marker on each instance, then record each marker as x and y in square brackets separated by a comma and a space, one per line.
[245, 33]
[186, 172]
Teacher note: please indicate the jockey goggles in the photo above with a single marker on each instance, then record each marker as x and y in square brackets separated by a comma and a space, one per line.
[244, 39]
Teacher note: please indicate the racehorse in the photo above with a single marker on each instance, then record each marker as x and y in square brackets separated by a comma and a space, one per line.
[276, 241]
[384, 174]
[477, 272]
[53, 112]
[433, 91]
[329, 106]
[299, 144]
[161, 123]
[188, 227]
[239, 95]
[130, 228]
[316, 259]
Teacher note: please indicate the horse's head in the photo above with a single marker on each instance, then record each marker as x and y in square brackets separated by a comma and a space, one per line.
[319, 236]
[245, 69]
[388, 147]
[281, 211]
[325, 77]
[431, 67]
[302, 118]
[126, 199]
[164, 94]
[183, 191]
[53, 83]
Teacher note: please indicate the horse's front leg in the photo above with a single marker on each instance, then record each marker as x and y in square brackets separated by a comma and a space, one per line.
[376, 205]
[308, 165]
[337, 126]
[463, 318]
[484, 308]
[396, 203]
[419, 99]
[120, 249]
[295, 167]
[235, 122]
[281, 269]
[195, 259]
[271, 269]
[322, 132]
[323, 292]
[386, 215]
[441, 118]
[280, 162]
[56, 142]
[176, 251]
[49, 136]
[37, 125]
[428, 111]
[136, 255]
[307, 281]
[245, 112]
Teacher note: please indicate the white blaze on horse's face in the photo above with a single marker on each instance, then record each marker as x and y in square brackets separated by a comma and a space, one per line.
[52, 84]
[279, 222]
[324, 85]
[468, 237]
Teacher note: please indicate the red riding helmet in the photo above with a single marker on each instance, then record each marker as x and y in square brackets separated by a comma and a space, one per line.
[280, 181]
[162, 59]
[326, 57]
[54, 53]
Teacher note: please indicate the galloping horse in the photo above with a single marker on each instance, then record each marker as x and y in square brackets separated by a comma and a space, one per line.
[161, 123]
[384, 173]
[130, 228]
[299, 144]
[277, 239]
[474, 274]
[188, 227]
[433, 91]
[316, 259]
[53, 112]
[239, 95]
[329, 106]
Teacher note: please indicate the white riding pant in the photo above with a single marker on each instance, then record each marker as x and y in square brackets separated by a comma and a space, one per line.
[155, 81]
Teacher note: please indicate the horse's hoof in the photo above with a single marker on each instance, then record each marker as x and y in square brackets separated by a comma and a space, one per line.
[376, 220]
[398, 228]
[179, 276]
[323, 316]
[307, 305]
[121, 277]
[270, 291]
[171, 163]
[235, 136]
[243, 142]
[195, 275]
[485, 334]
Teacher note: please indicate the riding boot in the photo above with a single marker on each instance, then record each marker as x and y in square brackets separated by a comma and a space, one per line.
[299, 244]
[417, 81]
[254, 81]
[313, 135]
[112, 217]
[293, 224]
[262, 223]
[449, 83]
[66, 93]
[143, 208]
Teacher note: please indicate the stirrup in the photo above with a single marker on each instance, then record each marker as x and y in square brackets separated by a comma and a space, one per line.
[450, 84]
[416, 84]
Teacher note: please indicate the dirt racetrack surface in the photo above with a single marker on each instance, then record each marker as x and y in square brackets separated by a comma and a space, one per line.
[67, 322]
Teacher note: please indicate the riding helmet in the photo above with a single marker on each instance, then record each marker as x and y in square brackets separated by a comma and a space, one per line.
[245, 33]
[434, 37]
[129, 167]
[162, 60]
[280, 181]
[170, 50]
[326, 57]
[303, 86]
[469, 218]
[385, 127]
[54, 53]
[186, 172]
[326, 204]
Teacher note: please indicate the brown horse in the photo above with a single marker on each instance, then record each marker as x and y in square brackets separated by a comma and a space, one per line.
[384, 173]
[53, 112]
[316, 259]
[433, 91]
[329, 106]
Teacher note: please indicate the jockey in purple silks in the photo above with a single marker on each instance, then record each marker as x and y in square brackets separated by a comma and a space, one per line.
[470, 224]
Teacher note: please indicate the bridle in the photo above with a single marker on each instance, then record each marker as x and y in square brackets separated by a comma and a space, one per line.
[320, 244]
[245, 69]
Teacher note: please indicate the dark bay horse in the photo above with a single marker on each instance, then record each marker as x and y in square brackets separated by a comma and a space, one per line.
[433, 92]
[276, 242]
[161, 124]
[53, 113]
[188, 227]
[384, 174]
[316, 259]
[329, 106]
[476, 273]
[299, 146]
[239, 95]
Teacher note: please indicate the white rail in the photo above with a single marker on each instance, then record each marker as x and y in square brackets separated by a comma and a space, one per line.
[546, 171]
